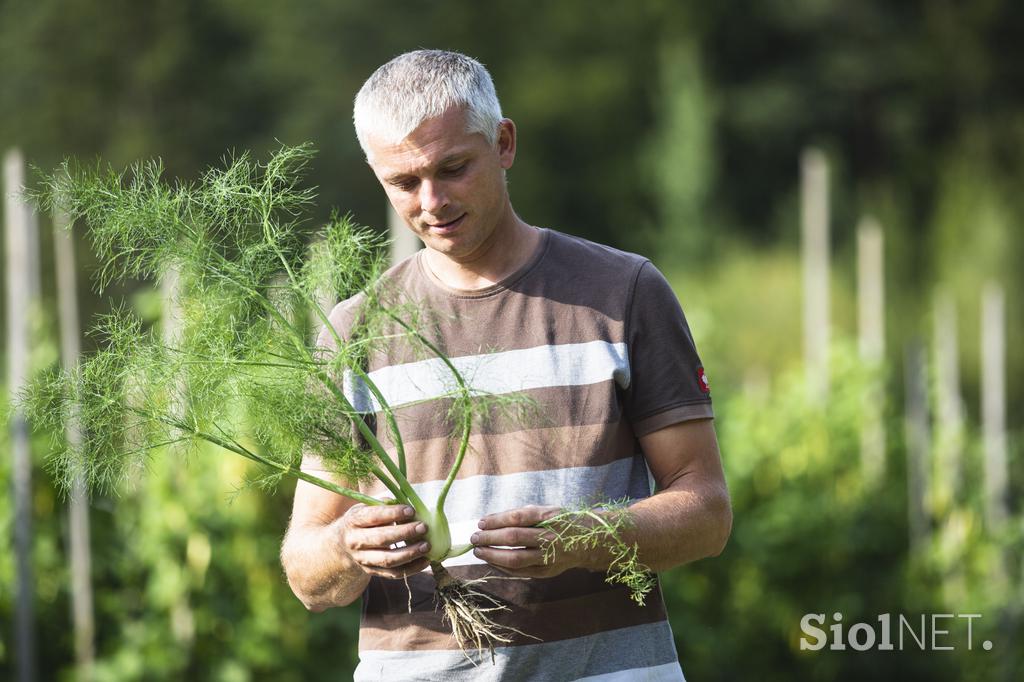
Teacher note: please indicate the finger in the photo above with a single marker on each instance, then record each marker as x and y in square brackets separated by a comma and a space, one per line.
[527, 572]
[512, 537]
[385, 536]
[365, 516]
[510, 559]
[522, 517]
[403, 571]
[391, 558]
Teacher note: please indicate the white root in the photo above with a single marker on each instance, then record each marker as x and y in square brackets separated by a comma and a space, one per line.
[466, 609]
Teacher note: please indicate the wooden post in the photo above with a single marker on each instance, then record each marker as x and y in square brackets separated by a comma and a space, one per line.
[918, 438]
[871, 290]
[325, 299]
[22, 271]
[949, 418]
[78, 507]
[871, 328]
[948, 458]
[993, 404]
[404, 242]
[170, 321]
[815, 248]
[182, 621]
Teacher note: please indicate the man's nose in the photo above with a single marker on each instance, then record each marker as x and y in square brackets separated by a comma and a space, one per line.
[432, 197]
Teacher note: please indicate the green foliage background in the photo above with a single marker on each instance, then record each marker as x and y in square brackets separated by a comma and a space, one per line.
[669, 128]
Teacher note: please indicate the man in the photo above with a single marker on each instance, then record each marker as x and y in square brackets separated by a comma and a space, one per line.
[594, 335]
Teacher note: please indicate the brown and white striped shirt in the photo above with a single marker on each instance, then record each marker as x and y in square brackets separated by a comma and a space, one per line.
[597, 338]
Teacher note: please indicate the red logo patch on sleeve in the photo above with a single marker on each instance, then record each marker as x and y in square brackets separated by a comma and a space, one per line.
[702, 380]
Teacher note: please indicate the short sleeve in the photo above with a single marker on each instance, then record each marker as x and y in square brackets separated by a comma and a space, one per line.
[667, 383]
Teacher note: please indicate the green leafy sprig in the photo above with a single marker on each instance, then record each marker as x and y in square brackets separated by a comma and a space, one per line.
[588, 528]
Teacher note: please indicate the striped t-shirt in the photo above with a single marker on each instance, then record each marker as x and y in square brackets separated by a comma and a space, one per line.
[597, 339]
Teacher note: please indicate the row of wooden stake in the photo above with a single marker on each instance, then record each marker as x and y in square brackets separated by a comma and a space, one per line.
[935, 435]
[23, 283]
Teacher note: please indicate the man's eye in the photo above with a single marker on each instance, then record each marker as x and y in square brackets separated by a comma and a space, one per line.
[405, 185]
[453, 170]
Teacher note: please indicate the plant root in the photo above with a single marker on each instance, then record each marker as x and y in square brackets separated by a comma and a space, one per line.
[467, 610]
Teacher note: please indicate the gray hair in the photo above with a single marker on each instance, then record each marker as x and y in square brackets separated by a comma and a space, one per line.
[419, 85]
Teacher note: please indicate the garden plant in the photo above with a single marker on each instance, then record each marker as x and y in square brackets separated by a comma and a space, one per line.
[239, 372]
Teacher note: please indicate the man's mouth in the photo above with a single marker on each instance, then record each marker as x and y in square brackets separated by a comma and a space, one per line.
[446, 227]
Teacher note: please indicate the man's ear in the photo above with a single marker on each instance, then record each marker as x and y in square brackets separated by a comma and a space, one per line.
[506, 142]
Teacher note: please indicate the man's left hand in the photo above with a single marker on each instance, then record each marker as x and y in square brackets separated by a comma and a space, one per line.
[511, 541]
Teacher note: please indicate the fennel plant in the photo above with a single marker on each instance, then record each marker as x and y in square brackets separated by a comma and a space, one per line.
[240, 374]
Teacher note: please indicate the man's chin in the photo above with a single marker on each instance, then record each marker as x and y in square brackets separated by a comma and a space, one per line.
[452, 249]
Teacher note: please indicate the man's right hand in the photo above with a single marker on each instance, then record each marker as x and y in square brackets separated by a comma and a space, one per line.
[334, 545]
[370, 535]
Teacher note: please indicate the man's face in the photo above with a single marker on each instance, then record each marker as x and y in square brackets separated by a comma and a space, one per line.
[448, 185]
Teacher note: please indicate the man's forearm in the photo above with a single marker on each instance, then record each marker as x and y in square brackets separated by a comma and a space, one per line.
[319, 570]
[680, 525]
[673, 527]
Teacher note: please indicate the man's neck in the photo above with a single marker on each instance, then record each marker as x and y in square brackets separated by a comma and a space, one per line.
[511, 248]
